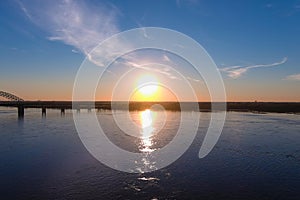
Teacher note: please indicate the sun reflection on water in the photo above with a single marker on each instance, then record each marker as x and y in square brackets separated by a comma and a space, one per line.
[147, 118]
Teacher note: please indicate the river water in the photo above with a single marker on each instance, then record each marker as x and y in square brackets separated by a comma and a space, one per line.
[256, 157]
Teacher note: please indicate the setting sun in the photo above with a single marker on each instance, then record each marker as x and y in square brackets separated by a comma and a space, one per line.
[147, 87]
[148, 90]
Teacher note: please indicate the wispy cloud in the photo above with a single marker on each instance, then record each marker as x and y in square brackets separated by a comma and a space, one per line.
[193, 79]
[74, 51]
[74, 23]
[24, 9]
[166, 58]
[293, 77]
[83, 27]
[237, 71]
[160, 69]
[155, 66]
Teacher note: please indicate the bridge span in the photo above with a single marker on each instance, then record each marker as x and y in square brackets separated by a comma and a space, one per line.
[60, 105]
[261, 107]
[257, 107]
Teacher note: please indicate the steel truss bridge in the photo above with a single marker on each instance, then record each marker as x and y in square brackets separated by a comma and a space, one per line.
[10, 96]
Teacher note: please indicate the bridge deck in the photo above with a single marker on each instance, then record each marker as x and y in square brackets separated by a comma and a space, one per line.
[281, 107]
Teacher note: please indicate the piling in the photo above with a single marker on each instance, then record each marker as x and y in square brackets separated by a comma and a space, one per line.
[21, 111]
[43, 111]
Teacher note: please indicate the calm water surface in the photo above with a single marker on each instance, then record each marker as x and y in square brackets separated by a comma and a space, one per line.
[256, 157]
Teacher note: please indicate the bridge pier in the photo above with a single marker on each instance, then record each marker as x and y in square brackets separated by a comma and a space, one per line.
[62, 111]
[21, 111]
[43, 111]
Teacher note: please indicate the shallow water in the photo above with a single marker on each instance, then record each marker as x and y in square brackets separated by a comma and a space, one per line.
[256, 157]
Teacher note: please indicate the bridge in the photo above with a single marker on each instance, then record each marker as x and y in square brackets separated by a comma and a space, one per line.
[10, 96]
[17, 102]
[260, 107]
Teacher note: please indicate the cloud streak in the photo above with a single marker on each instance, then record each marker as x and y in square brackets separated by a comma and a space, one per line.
[74, 23]
[83, 27]
[193, 79]
[164, 70]
[293, 77]
[24, 9]
[237, 71]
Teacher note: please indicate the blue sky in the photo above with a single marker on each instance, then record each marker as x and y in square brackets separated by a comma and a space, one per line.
[255, 43]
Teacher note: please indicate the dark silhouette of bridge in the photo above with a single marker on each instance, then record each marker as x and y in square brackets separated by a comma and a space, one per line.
[259, 107]
[10, 96]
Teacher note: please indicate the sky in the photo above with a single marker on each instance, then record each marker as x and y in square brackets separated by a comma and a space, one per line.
[254, 43]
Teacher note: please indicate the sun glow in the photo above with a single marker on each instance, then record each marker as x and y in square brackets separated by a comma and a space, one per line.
[148, 90]
[147, 87]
